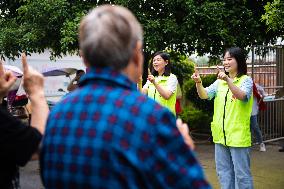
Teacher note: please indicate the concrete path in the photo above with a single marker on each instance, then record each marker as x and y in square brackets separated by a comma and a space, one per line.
[267, 168]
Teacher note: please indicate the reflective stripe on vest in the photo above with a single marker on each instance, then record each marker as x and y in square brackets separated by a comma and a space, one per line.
[153, 93]
[231, 120]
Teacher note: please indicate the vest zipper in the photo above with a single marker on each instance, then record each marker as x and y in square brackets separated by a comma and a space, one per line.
[224, 116]
[155, 94]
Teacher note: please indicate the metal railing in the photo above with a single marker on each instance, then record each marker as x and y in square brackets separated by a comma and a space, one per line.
[267, 69]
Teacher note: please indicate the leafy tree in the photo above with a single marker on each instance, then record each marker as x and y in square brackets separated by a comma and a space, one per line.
[182, 66]
[202, 26]
[274, 16]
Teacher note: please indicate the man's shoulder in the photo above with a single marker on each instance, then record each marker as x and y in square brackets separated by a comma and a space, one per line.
[144, 103]
[119, 100]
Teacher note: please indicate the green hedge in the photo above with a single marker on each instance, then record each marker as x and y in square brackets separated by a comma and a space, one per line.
[196, 119]
[199, 114]
[190, 93]
[182, 66]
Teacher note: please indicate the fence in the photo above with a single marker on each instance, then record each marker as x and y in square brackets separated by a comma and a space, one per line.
[267, 69]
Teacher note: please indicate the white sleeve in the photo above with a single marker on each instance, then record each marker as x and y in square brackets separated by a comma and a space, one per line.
[146, 85]
[172, 83]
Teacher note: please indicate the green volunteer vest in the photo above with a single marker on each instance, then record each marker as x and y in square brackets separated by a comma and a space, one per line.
[153, 93]
[231, 120]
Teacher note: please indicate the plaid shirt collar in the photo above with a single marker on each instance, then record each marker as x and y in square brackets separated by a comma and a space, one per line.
[108, 75]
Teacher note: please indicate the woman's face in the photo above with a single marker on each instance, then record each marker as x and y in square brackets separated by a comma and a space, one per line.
[230, 64]
[159, 64]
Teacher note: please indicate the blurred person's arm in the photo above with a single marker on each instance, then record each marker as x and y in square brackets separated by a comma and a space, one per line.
[18, 141]
[34, 87]
[184, 131]
[6, 81]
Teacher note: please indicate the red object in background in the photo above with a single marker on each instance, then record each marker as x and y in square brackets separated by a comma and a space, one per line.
[261, 104]
[178, 106]
[20, 100]
[21, 97]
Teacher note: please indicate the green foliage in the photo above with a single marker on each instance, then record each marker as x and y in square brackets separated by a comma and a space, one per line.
[187, 26]
[274, 16]
[182, 67]
[190, 94]
[196, 119]
[199, 114]
[36, 25]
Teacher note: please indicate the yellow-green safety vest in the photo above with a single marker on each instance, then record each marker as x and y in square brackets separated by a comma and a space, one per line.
[231, 120]
[154, 94]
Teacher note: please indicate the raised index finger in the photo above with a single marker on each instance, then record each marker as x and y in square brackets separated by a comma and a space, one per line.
[196, 71]
[218, 69]
[24, 63]
[149, 72]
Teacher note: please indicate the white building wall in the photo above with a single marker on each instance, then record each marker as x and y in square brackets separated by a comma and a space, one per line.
[42, 63]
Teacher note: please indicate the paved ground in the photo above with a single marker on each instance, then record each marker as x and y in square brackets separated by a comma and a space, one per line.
[267, 168]
[29, 176]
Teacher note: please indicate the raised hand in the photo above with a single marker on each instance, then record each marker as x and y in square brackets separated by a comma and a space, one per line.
[33, 85]
[151, 78]
[33, 81]
[195, 76]
[221, 74]
[6, 81]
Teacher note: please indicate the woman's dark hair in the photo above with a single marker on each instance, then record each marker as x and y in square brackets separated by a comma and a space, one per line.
[240, 56]
[164, 56]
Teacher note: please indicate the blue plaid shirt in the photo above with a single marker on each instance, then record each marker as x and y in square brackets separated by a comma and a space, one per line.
[106, 134]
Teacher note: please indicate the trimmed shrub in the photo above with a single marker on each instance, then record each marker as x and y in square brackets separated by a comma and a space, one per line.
[199, 114]
[190, 93]
[182, 66]
[196, 119]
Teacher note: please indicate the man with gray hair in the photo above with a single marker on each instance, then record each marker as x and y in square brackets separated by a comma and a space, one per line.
[106, 134]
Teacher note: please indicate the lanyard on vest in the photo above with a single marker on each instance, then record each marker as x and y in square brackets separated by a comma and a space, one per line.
[154, 92]
[224, 116]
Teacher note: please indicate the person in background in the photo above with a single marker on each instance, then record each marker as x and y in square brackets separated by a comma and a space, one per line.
[18, 142]
[162, 84]
[74, 82]
[258, 104]
[179, 100]
[231, 120]
[106, 134]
